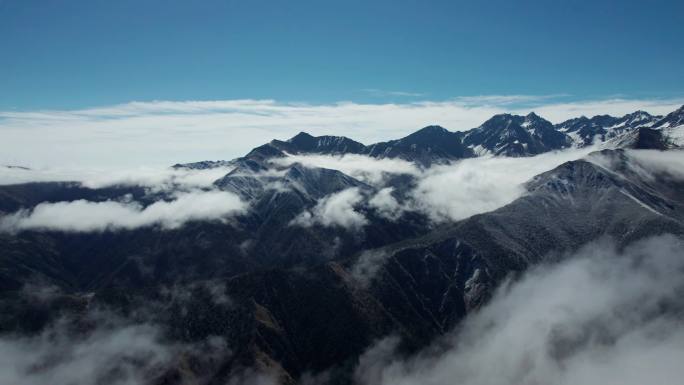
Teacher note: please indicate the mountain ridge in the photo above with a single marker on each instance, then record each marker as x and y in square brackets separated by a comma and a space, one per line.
[502, 135]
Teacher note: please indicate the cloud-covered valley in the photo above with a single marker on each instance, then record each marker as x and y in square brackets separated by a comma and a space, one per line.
[603, 316]
[101, 346]
[443, 192]
[82, 215]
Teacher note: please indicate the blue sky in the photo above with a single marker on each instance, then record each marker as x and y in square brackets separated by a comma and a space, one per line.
[83, 53]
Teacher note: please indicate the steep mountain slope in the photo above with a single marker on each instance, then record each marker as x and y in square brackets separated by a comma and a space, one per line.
[673, 119]
[573, 204]
[264, 236]
[673, 126]
[322, 315]
[643, 138]
[432, 144]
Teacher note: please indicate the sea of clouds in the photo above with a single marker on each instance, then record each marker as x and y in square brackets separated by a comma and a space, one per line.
[603, 316]
[443, 193]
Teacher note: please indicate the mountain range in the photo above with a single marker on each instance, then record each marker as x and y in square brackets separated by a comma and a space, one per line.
[501, 135]
[321, 262]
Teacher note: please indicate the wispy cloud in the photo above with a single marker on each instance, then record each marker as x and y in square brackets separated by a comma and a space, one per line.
[509, 100]
[117, 351]
[383, 93]
[164, 132]
[336, 209]
[155, 178]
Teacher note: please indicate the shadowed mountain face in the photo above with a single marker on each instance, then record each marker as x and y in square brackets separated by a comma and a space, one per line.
[644, 138]
[285, 289]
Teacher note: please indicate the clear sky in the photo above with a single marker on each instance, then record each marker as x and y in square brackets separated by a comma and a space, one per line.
[81, 53]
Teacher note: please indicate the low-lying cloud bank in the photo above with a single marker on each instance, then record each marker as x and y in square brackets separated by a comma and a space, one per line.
[103, 348]
[668, 162]
[155, 178]
[442, 192]
[478, 185]
[117, 355]
[82, 215]
[601, 317]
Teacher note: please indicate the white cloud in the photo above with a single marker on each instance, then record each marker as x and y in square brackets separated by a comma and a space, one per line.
[162, 133]
[670, 162]
[386, 204]
[113, 351]
[601, 317]
[444, 192]
[124, 355]
[647, 164]
[367, 169]
[384, 93]
[558, 112]
[367, 266]
[335, 210]
[478, 185]
[82, 215]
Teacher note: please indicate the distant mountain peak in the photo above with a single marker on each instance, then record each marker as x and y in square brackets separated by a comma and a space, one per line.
[535, 121]
[678, 112]
[501, 117]
[264, 152]
[673, 119]
[533, 116]
[432, 129]
[638, 116]
[302, 136]
[503, 134]
[428, 133]
[430, 144]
